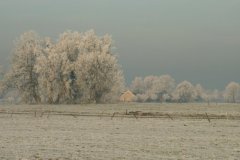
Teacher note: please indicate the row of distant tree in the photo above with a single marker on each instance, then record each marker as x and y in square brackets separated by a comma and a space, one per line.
[164, 89]
[81, 68]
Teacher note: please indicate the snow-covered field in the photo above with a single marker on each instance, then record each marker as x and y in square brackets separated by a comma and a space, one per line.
[90, 132]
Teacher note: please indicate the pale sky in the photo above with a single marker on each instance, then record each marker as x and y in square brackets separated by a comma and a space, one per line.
[194, 40]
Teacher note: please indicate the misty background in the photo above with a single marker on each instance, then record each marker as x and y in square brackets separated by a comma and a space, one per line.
[198, 41]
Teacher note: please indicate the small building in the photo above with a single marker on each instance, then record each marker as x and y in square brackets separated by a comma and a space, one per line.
[127, 96]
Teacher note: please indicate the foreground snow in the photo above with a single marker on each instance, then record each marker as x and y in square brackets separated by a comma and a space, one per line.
[32, 136]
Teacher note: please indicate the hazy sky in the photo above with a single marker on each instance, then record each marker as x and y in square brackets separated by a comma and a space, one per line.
[196, 40]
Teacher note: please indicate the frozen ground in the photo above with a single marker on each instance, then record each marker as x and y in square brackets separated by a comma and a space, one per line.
[33, 135]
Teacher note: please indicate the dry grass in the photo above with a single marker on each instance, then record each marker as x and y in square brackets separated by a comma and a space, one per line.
[87, 132]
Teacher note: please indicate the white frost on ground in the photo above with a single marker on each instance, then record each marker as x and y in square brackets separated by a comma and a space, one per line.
[67, 137]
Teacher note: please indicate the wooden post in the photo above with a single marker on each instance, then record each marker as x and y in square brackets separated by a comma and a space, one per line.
[48, 114]
[169, 116]
[207, 117]
[113, 115]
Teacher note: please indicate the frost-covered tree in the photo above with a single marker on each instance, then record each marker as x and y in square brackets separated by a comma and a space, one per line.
[200, 93]
[56, 67]
[184, 92]
[53, 70]
[232, 92]
[98, 74]
[97, 71]
[69, 42]
[143, 88]
[72, 44]
[22, 75]
[217, 96]
[153, 88]
[74, 56]
[163, 87]
[207, 95]
[137, 85]
[92, 43]
[77, 67]
[212, 96]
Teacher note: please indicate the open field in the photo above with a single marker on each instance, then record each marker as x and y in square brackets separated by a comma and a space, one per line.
[159, 131]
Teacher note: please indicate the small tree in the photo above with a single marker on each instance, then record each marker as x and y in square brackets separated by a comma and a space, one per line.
[200, 93]
[232, 92]
[137, 85]
[153, 88]
[163, 87]
[184, 92]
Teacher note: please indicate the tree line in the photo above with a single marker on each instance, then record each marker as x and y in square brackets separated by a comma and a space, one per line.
[82, 68]
[164, 89]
